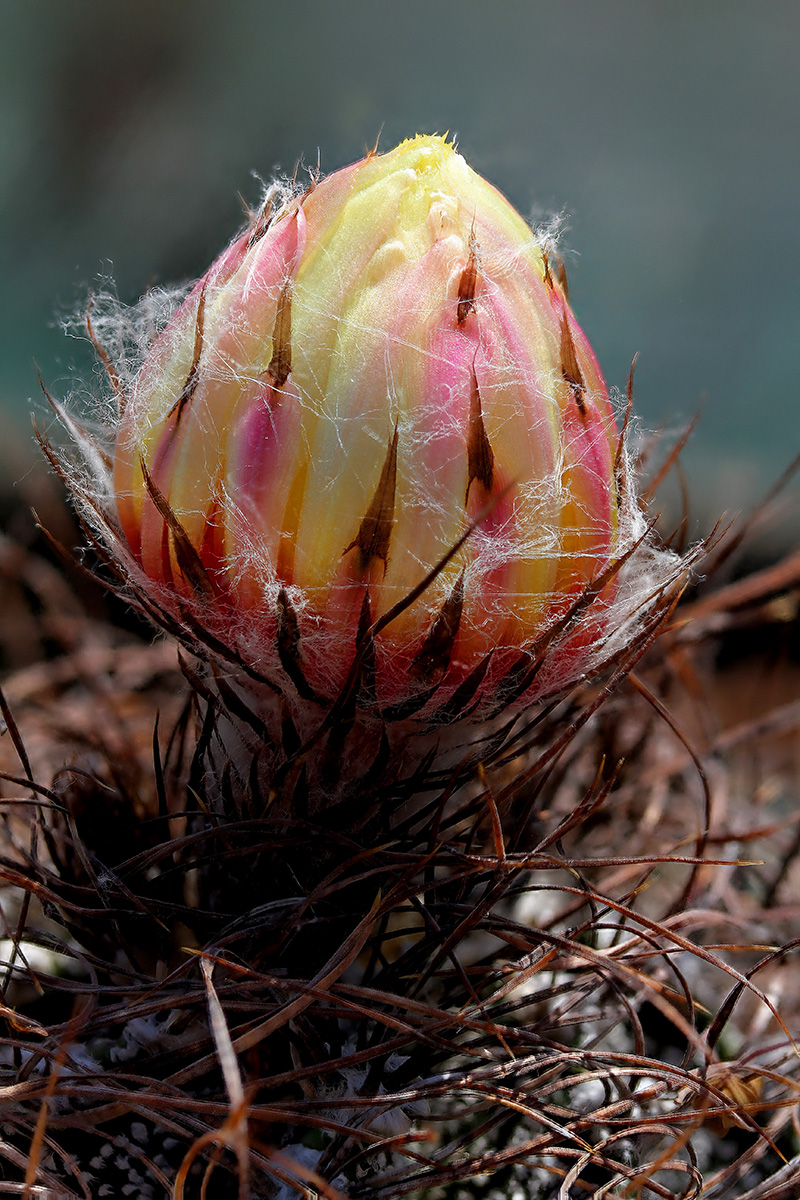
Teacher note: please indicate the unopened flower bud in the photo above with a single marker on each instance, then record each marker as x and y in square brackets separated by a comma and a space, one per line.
[384, 371]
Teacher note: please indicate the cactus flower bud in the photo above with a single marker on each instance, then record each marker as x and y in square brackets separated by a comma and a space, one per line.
[381, 367]
[368, 472]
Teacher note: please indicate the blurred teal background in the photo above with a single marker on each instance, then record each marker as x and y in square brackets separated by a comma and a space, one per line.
[667, 131]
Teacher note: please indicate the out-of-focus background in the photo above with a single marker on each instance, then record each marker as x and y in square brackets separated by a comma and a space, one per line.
[665, 132]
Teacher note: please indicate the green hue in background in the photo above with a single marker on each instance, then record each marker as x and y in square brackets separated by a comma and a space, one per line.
[666, 130]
